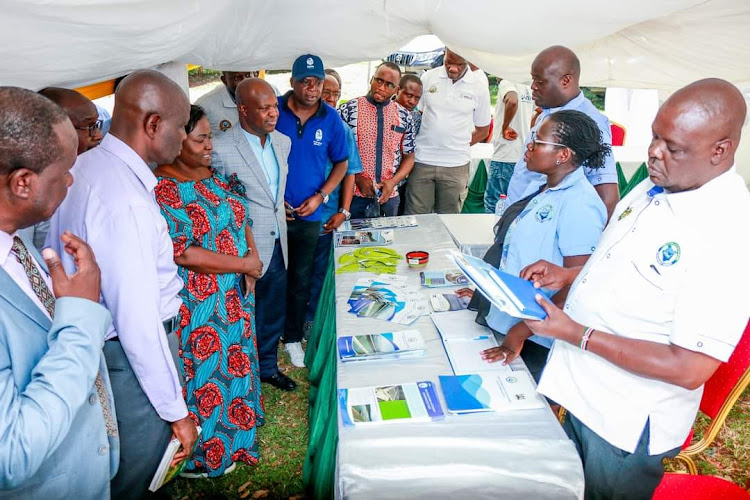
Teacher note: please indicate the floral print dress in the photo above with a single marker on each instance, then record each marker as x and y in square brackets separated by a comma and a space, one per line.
[218, 349]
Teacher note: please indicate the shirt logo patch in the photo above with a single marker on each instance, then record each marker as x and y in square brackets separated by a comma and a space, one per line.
[544, 214]
[432, 89]
[225, 125]
[668, 254]
[467, 96]
[625, 213]
[318, 137]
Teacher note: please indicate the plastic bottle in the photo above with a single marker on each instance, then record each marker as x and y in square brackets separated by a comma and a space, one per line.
[500, 207]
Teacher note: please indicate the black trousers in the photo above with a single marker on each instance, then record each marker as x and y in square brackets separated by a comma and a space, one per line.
[302, 239]
[270, 312]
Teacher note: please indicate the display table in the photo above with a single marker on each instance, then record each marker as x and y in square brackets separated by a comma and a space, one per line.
[522, 454]
[473, 234]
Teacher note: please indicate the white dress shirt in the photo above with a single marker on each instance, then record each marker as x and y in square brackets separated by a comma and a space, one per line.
[112, 206]
[670, 269]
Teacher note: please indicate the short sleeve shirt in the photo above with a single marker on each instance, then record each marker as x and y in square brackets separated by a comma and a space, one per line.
[450, 112]
[321, 139]
[667, 270]
[524, 182]
[563, 221]
[354, 167]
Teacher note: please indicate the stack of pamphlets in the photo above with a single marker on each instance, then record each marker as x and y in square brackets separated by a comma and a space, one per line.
[165, 472]
[414, 402]
[373, 237]
[437, 279]
[510, 294]
[379, 223]
[442, 302]
[388, 298]
[390, 345]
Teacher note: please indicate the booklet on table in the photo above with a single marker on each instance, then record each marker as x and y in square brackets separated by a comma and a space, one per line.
[443, 302]
[379, 223]
[415, 401]
[512, 295]
[373, 237]
[437, 279]
[490, 391]
[390, 345]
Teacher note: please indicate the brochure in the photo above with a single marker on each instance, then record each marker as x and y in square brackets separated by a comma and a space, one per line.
[363, 238]
[416, 402]
[510, 294]
[490, 391]
[390, 345]
[436, 279]
[442, 302]
[379, 223]
[389, 300]
[165, 472]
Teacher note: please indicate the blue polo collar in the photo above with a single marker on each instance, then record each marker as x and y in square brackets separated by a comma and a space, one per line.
[571, 179]
[320, 113]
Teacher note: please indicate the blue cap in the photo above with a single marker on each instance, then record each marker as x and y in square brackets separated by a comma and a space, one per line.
[308, 65]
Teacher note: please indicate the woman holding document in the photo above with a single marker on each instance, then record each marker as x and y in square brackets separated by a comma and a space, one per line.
[215, 252]
[560, 222]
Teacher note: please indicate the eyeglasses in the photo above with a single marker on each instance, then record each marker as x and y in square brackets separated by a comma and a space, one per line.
[380, 82]
[92, 128]
[329, 93]
[534, 141]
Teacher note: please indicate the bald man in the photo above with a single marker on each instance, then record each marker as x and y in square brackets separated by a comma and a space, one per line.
[112, 206]
[258, 154]
[555, 75]
[658, 306]
[85, 118]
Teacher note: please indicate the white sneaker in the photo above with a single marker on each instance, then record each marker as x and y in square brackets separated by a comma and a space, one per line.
[296, 353]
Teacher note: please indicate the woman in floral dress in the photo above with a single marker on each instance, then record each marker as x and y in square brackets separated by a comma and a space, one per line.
[217, 259]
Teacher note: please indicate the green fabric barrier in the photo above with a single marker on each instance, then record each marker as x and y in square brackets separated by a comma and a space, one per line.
[320, 461]
[474, 203]
[622, 181]
[638, 176]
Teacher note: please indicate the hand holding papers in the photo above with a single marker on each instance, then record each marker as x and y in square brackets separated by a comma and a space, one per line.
[510, 294]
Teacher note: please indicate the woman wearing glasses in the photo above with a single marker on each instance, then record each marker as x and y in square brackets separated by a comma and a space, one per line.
[214, 248]
[560, 222]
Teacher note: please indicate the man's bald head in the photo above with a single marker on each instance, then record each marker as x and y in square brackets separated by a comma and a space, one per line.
[150, 115]
[555, 74]
[81, 111]
[695, 134]
[258, 106]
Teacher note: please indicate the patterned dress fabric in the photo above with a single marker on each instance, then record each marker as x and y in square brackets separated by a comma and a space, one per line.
[218, 349]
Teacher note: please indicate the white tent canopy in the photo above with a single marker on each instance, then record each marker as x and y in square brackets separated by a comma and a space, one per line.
[633, 43]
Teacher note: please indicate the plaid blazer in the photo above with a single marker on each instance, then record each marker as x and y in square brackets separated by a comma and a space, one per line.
[233, 155]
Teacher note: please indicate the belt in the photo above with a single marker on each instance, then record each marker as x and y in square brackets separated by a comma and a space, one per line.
[170, 326]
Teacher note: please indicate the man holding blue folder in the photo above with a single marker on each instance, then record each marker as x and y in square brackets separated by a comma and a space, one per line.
[656, 309]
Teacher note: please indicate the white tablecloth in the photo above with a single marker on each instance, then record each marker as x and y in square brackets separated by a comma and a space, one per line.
[521, 454]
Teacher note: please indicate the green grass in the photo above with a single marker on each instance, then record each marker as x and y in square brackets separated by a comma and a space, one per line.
[283, 444]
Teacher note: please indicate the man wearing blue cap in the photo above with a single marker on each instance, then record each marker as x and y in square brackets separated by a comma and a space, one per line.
[318, 135]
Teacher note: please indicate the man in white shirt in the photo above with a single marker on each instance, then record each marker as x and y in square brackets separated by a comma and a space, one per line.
[112, 207]
[659, 305]
[513, 113]
[455, 115]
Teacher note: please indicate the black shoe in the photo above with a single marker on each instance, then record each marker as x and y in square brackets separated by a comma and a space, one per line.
[281, 381]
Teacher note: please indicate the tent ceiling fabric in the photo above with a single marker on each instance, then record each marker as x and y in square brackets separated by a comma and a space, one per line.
[630, 43]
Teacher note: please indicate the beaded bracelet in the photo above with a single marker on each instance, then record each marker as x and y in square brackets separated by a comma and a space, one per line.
[587, 331]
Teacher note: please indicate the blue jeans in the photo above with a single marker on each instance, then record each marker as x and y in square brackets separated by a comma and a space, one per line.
[387, 209]
[270, 312]
[320, 266]
[611, 473]
[497, 183]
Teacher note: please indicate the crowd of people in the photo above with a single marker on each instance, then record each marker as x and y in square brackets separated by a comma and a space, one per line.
[180, 248]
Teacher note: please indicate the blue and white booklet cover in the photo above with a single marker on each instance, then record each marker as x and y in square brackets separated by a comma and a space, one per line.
[490, 391]
[415, 401]
[512, 295]
[389, 345]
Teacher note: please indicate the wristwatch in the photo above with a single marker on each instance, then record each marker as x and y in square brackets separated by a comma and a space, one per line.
[346, 213]
[323, 195]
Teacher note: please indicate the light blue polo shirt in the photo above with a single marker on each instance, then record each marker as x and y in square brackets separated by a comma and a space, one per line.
[524, 182]
[562, 221]
[354, 167]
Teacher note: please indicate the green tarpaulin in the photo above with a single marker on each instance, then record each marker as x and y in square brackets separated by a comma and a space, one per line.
[474, 203]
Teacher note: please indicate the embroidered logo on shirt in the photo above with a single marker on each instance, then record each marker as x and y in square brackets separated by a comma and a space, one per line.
[432, 89]
[668, 254]
[318, 137]
[225, 125]
[467, 96]
[544, 214]
[625, 213]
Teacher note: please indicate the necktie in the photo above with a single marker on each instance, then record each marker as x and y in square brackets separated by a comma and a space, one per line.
[45, 296]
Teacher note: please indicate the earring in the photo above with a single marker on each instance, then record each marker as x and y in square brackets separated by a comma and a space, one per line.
[557, 162]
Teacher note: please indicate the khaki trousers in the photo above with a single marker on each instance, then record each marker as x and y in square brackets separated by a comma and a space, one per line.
[436, 189]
